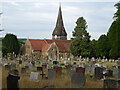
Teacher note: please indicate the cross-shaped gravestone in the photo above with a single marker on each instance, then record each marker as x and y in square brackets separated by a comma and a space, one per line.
[43, 74]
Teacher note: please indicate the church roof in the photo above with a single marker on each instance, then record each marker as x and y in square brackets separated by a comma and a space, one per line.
[37, 44]
[59, 29]
[44, 44]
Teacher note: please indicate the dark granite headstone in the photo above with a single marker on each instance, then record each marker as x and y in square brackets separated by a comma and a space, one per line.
[110, 83]
[20, 61]
[78, 79]
[110, 73]
[39, 68]
[98, 73]
[55, 62]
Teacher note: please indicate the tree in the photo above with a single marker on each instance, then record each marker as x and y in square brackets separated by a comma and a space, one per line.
[93, 44]
[114, 35]
[80, 43]
[114, 39]
[10, 44]
[103, 46]
[117, 14]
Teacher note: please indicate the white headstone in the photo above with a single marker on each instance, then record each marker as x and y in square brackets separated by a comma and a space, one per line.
[34, 75]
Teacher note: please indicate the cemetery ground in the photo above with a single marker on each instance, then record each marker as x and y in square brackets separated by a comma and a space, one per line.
[62, 81]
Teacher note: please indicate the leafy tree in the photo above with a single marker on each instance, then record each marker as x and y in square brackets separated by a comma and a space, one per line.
[93, 44]
[80, 43]
[103, 46]
[10, 44]
[114, 39]
[117, 14]
[114, 35]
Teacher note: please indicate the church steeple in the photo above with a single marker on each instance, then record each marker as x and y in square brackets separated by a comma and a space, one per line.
[59, 30]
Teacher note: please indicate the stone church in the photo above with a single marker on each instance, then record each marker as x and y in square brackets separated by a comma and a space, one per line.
[56, 48]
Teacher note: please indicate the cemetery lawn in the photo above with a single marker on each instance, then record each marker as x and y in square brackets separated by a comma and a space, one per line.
[62, 82]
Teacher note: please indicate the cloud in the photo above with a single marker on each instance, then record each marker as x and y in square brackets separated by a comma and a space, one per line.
[38, 19]
[60, 0]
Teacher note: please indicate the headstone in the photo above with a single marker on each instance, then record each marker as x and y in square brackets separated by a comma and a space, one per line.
[80, 70]
[58, 70]
[55, 62]
[33, 63]
[43, 74]
[7, 67]
[88, 70]
[71, 71]
[26, 67]
[78, 79]
[51, 73]
[110, 73]
[39, 69]
[20, 61]
[23, 70]
[30, 65]
[98, 73]
[34, 75]
[116, 72]
[44, 65]
[110, 83]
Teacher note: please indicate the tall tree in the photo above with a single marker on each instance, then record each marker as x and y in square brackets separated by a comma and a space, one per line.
[114, 35]
[80, 43]
[117, 14]
[103, 46]
[10, 44]
[93, 44]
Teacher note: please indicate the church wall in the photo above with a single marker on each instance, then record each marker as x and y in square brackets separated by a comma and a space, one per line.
[28, 48]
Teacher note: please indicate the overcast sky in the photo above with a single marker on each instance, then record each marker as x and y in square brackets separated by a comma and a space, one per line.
[35, 19]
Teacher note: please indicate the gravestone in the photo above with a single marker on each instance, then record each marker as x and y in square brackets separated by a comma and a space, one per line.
[34, 75]
[110, 83]
[116, 72]
[98, 73]
[26, 67]
[23, 70]
[110, 73]
[51, 73]
[71, 71]
[78, 79]
[58, 70]
[7, 67]
[88, 70]
[20, 61]
[44, 65]
[55, 62]
[33, 63]
[80, 70]
[39, 69]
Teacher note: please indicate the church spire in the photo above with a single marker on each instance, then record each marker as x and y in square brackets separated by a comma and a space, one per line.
[59, 30]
